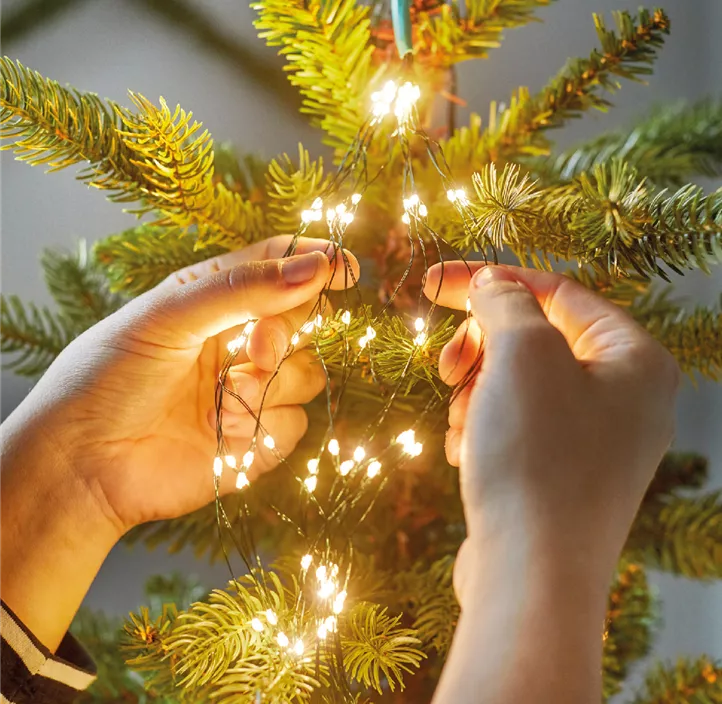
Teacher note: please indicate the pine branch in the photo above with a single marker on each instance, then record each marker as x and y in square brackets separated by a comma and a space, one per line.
[443, 37]
[519, 129]
[672, 145]
[677, 470]
[34, 334]
[631, 615]
[686, 681]
[291, 187]
[78, 287]
[327, 47]
[679, 535]
[377, 648]
[138, 259]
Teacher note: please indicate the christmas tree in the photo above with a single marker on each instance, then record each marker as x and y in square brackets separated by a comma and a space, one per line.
[363, 520]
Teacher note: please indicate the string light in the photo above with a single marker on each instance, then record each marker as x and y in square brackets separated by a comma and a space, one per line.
[217, 466]
[298, 647]
[457, 196]
[248, 459]
[356, 198]
[406, 98]
[406, 219]
[333, 447]
[237, 344]
[321, 573]
[419, 324]
[282, 640]
[308, 327]
[242, 480]
[330, 624]
[269, 442]
[373, 469]
[420, 339]
[407, 440]
[231, 461]
[319, 321]
[249, 327]
[257, 625]
[468, 305]
[370, 333]
[311, 483]
[306, 561]
[295, 339]
[322, 632]
[313, 465]
[271, 617]
[359, 453]
[317, 204]
[346, 317]
[326, 589]
[338, 602]
[345, 467]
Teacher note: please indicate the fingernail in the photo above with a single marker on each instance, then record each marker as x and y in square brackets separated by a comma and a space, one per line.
[246, 386]
[297, 270]
[491, 273]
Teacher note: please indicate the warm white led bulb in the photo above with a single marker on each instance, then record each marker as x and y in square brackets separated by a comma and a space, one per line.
[423, 210]
[231, 461]
[420, 339]
[319, 321]
[405, 438]
[330, 624]
[237, 344]
[338, 602]
[326, 590]
[248, 329]
[414, 200]
[321, 573]
[461, 196]
[333, 446]
[295, 339]
[307, 216]
[345, 467]
[322, 632]
[311, 483]
[306, 561]
[373, 469]
[363, 341]
[282, 640]
[415, 449]
[370, 333]
[313, 465]
[419, 324]
[269, 442]
[242, 480]
[271, 617]
[217, 466]
[298, 647]
[340, 208]
[405, 219]
[347, 218]
[307, 327]
[317, 204]
[356, 198]
[248, 458]
[468, 305]
[451, 194]
[257, 625]
[359, 453]
[346, 317]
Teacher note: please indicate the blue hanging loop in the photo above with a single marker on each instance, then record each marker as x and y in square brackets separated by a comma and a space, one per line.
[401, 22]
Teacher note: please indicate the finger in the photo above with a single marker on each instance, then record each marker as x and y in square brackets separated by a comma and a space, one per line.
[453, 446]
[286, 426]
[447, 283]
[188, 314]
[273, 338]
[459, 355]
[300, 378]
[341, 261]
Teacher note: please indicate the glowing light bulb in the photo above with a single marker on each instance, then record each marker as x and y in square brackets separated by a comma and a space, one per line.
[406, 219]
[282, 640]
[419, 324]
[308, 327]
[319, 321]
[408, 441]
[415, 450]
[359, 453]
[468, 305]
[338, 602]
[307, 216]
[322, 632]
[269, 442]
[420, 339]
[317, 204]
[407, 203]
[217, 466]
[271, 617]
[257, 625]
[326, 590]
[451, 194]
[423, 210]
[237, 344]
[231, 461]
[321, 573]
[346, 317]
[295, 339]
[461, 197]
[406, 437]
[340, 208]
[345, 467]
[373, 469]
[313, 465]
[311, 483]
[330, 624]
[370, 333]
[333, 446]
[363, 341]
[306, 561]
[248, 458]
[298, 647]
[249, 327]
[413, 200]
[347, 218]
[242, 480]
[356, 198]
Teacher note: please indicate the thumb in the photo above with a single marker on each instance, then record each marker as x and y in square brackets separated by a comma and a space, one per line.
[499, 301]
[257, 289]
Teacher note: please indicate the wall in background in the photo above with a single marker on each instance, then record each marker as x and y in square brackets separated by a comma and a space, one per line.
[109, 46]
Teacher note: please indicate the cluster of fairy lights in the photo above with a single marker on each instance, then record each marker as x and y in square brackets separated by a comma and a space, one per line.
[355, 469]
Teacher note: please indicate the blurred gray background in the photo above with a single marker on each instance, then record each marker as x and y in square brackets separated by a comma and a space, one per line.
[109, 46]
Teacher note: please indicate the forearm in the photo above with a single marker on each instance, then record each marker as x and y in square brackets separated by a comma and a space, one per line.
[531, 629]
[53, 536]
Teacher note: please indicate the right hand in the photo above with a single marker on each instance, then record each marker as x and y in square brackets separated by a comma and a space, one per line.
[559, 433]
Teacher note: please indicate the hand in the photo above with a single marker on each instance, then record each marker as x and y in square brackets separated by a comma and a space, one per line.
[557, 438]
[562, 428]
[121, 428]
